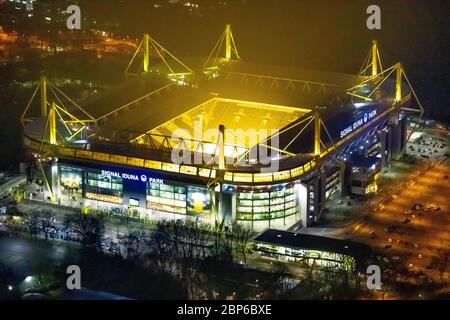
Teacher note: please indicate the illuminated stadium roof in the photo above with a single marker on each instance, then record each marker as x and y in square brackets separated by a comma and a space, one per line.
[240, 117]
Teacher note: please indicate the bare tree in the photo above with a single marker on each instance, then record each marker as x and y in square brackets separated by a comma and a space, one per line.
[162, 255]
[284, 281]
[47, 219]
[67, 223]
[134, 244]
[31, 220]
[90, 228]
[441, 264]
[242, 238]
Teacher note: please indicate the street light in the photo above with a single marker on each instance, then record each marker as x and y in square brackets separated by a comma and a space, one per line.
[29, 279]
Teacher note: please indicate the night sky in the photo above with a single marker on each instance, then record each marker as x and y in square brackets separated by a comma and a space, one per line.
[322, 34]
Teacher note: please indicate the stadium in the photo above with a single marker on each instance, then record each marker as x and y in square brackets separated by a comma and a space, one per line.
[220, 139]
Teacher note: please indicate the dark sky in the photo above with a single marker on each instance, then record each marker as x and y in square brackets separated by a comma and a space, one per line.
[323, 34]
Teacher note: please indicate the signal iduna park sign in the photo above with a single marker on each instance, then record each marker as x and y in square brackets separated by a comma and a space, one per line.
[131, 176]
[363, 120]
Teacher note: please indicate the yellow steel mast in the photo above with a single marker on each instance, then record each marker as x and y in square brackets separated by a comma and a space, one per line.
[398, 82]
[317, 134]
[43, 96]
[228, 42]
[374, 58]
[146, 52]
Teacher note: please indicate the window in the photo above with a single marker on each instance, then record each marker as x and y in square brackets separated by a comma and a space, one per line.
[262, 177]
[283, 175]
[152, 164]
[208, 172]
[166, 198]
[103, 185]
[277, 203]
[260, 202]
[170, 167]
[188, 170]
[357, 183]
[261, 195]
[296, 172]
[242, 177]
[245, 195]
[134, 202]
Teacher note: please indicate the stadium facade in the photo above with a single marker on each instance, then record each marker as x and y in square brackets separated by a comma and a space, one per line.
[220, 139]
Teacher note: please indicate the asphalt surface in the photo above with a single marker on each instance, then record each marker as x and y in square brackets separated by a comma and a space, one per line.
[416, 235]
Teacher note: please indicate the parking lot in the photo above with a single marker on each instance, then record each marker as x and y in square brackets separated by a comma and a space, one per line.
[426, 146]
[414, 226]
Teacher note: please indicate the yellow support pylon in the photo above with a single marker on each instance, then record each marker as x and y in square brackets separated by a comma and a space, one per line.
[221, 147]
[317, 134]
[43, 96]
[52, 124]
[146, 52]
[374, 58]
[398, 82]
[228, 42]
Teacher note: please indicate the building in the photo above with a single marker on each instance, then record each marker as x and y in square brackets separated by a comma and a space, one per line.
[219, 139]
[312, 250]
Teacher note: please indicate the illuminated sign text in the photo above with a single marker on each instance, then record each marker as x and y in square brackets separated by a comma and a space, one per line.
[131, 176]
[367, 116]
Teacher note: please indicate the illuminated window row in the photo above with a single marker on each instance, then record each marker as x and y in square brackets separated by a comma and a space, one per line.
[131, 161]
[269, 177]
[183, 169]
[104, 185]
[266, 205]
[320, 258]
[165, 208]
[259, 216]
[169, 202]
[103, 197]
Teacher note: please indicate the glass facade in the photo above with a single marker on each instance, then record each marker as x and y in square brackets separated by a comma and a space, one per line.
[198, 201]
[71, 180]
[166, 197]
[310, 256]
[139, 190]
[332, 184]
[103, 187]
[178, 199]
[273, 204]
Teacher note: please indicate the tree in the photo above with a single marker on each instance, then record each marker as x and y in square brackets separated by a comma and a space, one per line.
[134, 244]
[90, 228]
[162, 255]
[223, 243]
[284, 281]
[47, 219]
[441, 264]
[242, 237]
[32, 223]
[67, 223]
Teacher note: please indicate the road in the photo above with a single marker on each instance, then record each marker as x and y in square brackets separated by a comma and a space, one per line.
[428, 232]
[26, 257]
